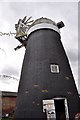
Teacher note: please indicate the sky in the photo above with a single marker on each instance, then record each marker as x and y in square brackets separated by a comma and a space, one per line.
[10, 12]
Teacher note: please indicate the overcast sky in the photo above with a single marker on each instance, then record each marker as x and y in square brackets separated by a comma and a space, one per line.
[10, 12]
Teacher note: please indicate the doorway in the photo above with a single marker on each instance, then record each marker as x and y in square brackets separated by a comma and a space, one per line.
[56, 108]
[60, 109]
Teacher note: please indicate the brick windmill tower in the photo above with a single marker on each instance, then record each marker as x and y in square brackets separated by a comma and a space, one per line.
[47, 88]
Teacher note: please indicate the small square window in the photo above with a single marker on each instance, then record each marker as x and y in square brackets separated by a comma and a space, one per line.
[54, 68]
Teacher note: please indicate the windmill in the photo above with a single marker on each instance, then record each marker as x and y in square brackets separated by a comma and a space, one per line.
[47, 89]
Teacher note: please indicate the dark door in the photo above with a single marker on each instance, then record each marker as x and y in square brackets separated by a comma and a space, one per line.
[60, 109]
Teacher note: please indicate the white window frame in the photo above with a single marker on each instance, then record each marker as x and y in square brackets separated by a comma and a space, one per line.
[55, 66]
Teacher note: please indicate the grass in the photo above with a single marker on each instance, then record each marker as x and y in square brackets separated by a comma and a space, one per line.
[9, 118]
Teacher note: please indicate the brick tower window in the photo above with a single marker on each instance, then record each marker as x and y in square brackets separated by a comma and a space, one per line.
[54, 68]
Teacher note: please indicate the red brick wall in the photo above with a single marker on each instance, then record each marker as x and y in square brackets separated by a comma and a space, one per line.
[8, 104]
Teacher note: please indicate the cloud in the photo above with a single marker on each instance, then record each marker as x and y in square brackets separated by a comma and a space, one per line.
[73, 56]
[73, 60]
[11, 71]
[8, 84]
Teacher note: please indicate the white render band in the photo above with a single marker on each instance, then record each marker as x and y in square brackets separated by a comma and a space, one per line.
[43, 25]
